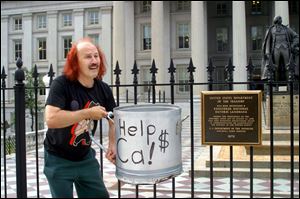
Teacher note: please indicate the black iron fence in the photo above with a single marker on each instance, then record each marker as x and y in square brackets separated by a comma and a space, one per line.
[268, 85]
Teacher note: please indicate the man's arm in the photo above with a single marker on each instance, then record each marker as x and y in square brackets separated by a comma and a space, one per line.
[111, 152]
[58, 118]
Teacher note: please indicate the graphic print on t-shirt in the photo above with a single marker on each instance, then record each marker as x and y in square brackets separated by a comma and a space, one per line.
[80, 130]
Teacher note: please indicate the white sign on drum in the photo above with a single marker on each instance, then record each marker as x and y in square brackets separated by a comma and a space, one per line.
[148, 139]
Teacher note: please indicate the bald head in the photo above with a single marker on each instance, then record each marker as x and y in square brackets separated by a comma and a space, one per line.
[84, 44]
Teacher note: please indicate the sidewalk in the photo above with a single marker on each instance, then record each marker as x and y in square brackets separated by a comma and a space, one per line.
[241, 187]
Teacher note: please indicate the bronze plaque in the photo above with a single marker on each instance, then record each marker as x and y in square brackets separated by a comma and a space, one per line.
[231, 117]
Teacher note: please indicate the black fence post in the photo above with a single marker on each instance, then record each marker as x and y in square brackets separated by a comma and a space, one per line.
[35, 75]
[191, 70]
[291, 78]
[250, 69]
[153, 71]
[229, 70]
[117, 72]
[270, 77]
[210, 79]
[20, 131]
[135, 71]
[5, 126]
[172, 70]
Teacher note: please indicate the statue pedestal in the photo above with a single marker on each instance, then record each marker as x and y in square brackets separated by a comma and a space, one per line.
[281, 111]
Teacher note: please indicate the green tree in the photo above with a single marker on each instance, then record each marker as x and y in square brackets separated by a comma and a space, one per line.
[30, 94]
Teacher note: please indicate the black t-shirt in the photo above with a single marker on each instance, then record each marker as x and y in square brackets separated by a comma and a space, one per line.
[73, 142]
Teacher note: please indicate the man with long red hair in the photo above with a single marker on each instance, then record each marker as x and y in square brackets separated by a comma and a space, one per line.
[77, 100]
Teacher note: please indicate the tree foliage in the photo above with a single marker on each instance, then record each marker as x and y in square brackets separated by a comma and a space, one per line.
[30, 97]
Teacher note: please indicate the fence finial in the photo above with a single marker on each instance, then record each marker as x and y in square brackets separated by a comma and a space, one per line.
[117, 72]
[51, 74]
[191, 69]
[3, 77]
[153, 70]
[135, 71]
[19, 74]
[210, 70]
[172, 70]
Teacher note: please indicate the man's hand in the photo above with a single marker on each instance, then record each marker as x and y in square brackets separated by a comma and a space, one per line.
[111, 153]
[97, 112]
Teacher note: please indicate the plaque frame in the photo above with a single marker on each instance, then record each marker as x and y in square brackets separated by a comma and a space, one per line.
[246, 139]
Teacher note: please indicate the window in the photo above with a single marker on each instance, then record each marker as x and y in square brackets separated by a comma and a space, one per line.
[94, 38]
[222, 39]
[222, 9]
[18, 23]
[18, 49]
[183, 5]
[255, 7]
[93, 17]
[183, 36]
[146, 6]
[256, 37]
[42, 48]
[183, 78]
[146, 37]
[41, 21]
[67, 20]
[67, 45]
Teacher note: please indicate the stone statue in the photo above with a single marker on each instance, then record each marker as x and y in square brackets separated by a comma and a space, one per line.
[280, 43]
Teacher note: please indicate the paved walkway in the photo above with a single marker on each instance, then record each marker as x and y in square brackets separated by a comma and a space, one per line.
[241, 188]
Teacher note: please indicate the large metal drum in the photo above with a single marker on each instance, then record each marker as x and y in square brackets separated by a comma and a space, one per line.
[148, 139]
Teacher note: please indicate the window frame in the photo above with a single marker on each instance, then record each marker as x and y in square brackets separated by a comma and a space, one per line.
[217, 44]
[259, 36]
[69, 22]
[42, 50]
[18, 26]
[44, 22]
[96, 19]
[178, 36]
[146, 45]
[66, 49]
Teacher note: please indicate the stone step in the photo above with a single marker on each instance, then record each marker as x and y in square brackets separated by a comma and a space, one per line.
[245, 173]
[280, 148]
[256, 164]
[280, 135]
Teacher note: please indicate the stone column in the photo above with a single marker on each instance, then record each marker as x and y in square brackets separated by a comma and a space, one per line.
[282, 9]
[4, 44]
[52, 40]
[27, 41]
[4, 53]
[239, 43]
[199, 42]
[160, 39]
[78, 23]
[123, 39]
[106, 42]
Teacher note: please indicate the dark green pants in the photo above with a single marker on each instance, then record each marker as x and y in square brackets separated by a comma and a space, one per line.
[62, 173]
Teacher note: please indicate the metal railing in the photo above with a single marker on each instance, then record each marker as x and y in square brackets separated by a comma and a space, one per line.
[19, 99]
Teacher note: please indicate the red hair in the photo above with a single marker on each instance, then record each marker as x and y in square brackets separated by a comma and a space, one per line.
[71, 68]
